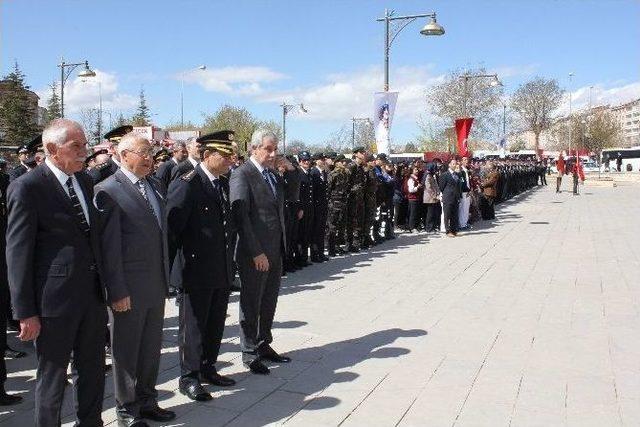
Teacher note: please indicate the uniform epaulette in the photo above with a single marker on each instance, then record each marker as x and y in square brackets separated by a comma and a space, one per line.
[189, 175]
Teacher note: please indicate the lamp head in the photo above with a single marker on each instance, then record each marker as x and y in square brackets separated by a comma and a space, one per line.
[87, 72]
[432, 28]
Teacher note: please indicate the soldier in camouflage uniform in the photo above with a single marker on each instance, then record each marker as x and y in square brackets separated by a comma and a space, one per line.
[337, 192]
[355, 200]
[370, 205]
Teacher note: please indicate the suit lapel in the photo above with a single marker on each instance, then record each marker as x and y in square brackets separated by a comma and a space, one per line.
[61, 195]
[134, 193]
[262, 182]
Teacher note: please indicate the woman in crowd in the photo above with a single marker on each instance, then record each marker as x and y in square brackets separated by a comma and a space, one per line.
[431, 200]
[414, 197]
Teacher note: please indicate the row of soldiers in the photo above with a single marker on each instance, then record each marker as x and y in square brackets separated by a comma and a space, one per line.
[341, 205]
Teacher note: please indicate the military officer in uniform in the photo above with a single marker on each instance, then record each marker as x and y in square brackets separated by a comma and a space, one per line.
[320, 207]
[200, 225]
[108, 168]
[355, 203]
[305, 230]
[337, 191]
[22, 168]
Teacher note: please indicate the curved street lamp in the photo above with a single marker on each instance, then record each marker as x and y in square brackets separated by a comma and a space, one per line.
[495, 82]
[64, 75]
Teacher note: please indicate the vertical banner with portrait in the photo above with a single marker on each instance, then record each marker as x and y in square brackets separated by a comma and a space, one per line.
[384, 106]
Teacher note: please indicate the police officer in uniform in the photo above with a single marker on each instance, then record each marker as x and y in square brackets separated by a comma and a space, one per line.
[23, 154]
[320, 208]
[355, 203]
[288, 169]
[108, 168]
[305, 231]
[200, 225]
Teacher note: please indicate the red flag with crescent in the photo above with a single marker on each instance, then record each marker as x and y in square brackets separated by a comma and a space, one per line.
[463, 128]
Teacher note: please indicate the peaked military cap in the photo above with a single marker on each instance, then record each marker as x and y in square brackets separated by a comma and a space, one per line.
[35, 144]
[359, 150]
[220, 141]
[382, 156]
[317, 156]
[304, 155]
[161, 156]
[115, 135]
[331, 155]
[95, 154]
[22, 149]
[340, 158]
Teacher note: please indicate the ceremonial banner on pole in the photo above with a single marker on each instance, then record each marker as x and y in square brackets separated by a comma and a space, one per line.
[384, 106]
[463, 127]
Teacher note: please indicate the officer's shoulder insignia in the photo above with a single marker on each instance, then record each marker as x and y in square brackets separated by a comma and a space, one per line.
[189, 175]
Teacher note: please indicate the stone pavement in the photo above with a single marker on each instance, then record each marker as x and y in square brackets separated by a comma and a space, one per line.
[531, 320]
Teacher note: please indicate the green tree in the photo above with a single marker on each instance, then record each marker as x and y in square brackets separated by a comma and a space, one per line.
[53, 104]
[178, 126]
[142, 117]
[18, 114]
[237, 119]
[121, 120]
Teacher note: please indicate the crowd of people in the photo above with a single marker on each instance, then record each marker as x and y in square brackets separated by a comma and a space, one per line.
[96, 244]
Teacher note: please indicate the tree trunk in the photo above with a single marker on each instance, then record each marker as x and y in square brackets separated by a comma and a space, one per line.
[537, 145]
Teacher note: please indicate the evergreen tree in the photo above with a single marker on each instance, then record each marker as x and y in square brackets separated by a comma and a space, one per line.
[142, 116]
[121, 121]
[18, 117]
[53, 104]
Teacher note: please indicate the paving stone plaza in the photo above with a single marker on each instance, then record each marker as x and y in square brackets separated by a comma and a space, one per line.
[532, 320]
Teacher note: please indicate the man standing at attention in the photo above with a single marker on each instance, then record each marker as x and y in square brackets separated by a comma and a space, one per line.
[450, 187]
[257, 205]
[53, 256]
[137, 276]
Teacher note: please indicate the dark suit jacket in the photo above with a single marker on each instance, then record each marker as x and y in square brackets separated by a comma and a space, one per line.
[306, 189]
[200, 225]
[164, 172]
[259, 216]
[319, 184]
[181, 169]
[450, 187]
[17, 172]
[135, 244]
[103, 171]
[51, 261]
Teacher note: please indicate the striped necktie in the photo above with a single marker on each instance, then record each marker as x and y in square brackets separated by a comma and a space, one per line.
[77, 206]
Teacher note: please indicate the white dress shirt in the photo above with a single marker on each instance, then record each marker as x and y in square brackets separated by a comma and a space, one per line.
[193, 162]
[62, 178]
[256, 164]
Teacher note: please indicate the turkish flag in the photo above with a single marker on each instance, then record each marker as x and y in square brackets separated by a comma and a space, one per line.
[463, 127]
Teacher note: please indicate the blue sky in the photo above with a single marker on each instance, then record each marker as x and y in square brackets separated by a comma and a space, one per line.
[327, 54]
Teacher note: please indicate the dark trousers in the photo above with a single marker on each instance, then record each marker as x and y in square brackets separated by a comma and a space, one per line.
[258, 300]
[83, 334]
[575, 183]
[400, 214]
[4, 294]
[136, 341]
[487, 209]
[201, 326]
[432, 216]
[291, 230]
[414, 214]
[558, 184]
[305, 233]
[450, 212]
[319, 230]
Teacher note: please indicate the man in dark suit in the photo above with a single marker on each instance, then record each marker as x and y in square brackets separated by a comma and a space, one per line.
[450, 186]
[305, 230]
[104, 170]
[53, 259]
[21, 168]
[137, 274]
[179, 154]
[257, 205]
[193, 158]
[320, 208]
[200, 225]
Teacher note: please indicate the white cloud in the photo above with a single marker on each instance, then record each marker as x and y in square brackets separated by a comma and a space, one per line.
[347, 95]
[85, 93]
[245, 81]
[601, 94]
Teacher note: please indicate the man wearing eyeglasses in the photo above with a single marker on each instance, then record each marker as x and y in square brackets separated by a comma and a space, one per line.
[137, 274]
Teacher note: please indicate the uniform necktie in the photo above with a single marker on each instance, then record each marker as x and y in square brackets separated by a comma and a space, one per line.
[269, 179]
[219, 192]
[77, 206]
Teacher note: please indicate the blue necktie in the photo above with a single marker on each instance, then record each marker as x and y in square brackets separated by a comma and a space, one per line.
[269, 179]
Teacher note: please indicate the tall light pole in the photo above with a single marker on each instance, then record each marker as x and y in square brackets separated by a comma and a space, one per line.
[393, 25]
[466, 77]
[64, 75]
[285, 110]
[201, 68]
[354, 120]
[570, 115]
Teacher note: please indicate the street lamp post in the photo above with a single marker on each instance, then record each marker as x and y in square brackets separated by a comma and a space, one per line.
[201, 68]
[285, 110]
[64, 75]
[466, 77]
[353, 128]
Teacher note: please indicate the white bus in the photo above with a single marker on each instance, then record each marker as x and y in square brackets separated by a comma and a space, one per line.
[630, 158]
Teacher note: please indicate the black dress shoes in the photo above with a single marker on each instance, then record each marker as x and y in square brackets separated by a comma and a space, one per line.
[192, 388]
[132, 422]
[9, 399]
[217, 379]
[270, 354]
[257, 367]
[156, 413]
